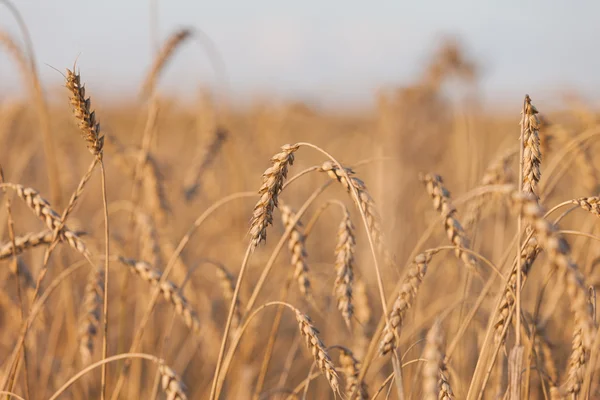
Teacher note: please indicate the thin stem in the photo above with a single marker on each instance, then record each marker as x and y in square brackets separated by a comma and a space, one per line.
[97, 364]
[106, 263]
[520, 222]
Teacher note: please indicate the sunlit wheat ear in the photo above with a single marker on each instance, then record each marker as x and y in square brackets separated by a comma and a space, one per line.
[163, 57]
[532, 157]
[406, 297]
[297, 246]
[528, 256]
[366, 203]
[86, 118]
[433, 354]
[497, 173]
[591, 204]
[442, 203]
[89, 323]
[168, 289]
[559, 254]
[24, 242]
[577, 361]
[351, 367]
[227, 282]
[171, 383]
[42, 209]
[344, 267]
[273, 179]
[318, 350]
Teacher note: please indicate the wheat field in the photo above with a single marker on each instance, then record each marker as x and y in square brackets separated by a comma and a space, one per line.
[426, 249]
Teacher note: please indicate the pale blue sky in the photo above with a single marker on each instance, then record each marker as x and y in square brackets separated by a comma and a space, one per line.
[329, 50]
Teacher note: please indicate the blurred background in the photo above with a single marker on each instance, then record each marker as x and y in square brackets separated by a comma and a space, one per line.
[333, 54]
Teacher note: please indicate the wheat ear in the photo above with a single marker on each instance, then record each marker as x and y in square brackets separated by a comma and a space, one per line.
[433, 354]
[532, 156]
[406, 297]
[273, 179]
[351, 367]
[366, 203]
[318, 350]
[89, 127]
[168, 289]
[42, 209]
[92, 309]
[171, 383]
[442, 203]
[591, 204]
[297, 247]
[24, 242]
[344, 266]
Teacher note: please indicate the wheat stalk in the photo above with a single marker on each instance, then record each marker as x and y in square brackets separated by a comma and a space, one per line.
[273, 179]
[559, 254]
[442, 203]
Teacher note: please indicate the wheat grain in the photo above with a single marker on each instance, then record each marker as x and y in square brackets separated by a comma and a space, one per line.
[591, 204]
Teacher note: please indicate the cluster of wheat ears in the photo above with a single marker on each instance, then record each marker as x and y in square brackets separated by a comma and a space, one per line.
[499, 306]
